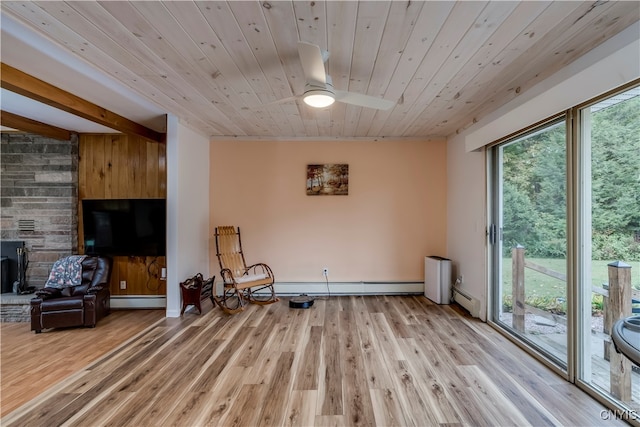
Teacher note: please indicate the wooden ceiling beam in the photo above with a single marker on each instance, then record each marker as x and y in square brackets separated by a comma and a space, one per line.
[15, 121]
[21, 83]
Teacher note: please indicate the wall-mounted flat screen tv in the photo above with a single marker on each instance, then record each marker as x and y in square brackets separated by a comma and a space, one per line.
[125, 227]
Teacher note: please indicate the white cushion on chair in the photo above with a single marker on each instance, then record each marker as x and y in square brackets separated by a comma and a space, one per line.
[251, 278]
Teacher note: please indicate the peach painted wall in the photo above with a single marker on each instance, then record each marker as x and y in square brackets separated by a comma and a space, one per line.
[394, 215]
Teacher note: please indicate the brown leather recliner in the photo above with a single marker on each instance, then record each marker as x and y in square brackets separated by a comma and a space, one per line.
[81, 305]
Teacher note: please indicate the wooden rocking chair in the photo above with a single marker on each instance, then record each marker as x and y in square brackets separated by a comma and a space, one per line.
[242, 283]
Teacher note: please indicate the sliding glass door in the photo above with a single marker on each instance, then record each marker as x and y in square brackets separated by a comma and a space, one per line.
[529, 238]
[564, 199]
[609, 236]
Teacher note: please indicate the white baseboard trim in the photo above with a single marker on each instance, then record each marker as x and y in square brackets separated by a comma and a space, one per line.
[138, 301]
[345, 288]
[287, 289]
[173, 313]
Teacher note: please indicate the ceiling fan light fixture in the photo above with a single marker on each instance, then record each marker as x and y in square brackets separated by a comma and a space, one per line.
[318, 98]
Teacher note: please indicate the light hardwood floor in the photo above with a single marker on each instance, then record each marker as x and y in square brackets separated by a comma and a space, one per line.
[373, 360]
[30, 363]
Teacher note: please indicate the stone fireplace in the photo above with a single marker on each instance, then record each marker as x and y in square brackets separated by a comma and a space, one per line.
[39, 198]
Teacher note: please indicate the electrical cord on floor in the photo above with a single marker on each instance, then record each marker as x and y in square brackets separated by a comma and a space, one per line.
[454, 287]
[326, 279]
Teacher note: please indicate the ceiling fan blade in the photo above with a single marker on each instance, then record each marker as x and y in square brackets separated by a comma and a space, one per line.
[363, 100]
[312, 63]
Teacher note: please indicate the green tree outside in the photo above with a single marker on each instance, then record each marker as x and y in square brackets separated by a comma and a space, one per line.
[534, 187]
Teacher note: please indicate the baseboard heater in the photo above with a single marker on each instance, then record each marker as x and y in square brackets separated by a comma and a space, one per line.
[466, 301]
[345, 288]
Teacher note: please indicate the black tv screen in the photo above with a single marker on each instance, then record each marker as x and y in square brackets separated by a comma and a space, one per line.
[125, 227]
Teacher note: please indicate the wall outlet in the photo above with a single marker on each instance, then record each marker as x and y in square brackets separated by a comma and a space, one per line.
[123, 284]
[325, 272]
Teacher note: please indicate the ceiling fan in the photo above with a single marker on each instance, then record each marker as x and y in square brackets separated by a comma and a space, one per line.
[318, 89]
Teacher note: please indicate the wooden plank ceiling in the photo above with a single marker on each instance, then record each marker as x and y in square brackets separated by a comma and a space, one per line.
[215, 64]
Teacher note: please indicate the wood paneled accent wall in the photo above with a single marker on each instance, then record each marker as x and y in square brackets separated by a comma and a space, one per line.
[118, 166]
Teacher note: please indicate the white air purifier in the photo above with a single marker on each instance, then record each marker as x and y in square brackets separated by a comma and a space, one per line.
[437, 279]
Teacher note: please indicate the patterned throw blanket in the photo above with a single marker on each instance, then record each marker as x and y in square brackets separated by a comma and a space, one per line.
[66, 272]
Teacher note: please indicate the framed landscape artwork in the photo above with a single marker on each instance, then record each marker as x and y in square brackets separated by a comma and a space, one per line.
[328, 180]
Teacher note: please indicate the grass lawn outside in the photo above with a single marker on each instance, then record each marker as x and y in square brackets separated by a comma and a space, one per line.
[543, 288]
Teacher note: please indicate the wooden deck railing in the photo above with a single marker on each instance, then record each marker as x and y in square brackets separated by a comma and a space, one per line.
[520, 307]
[617, 302]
